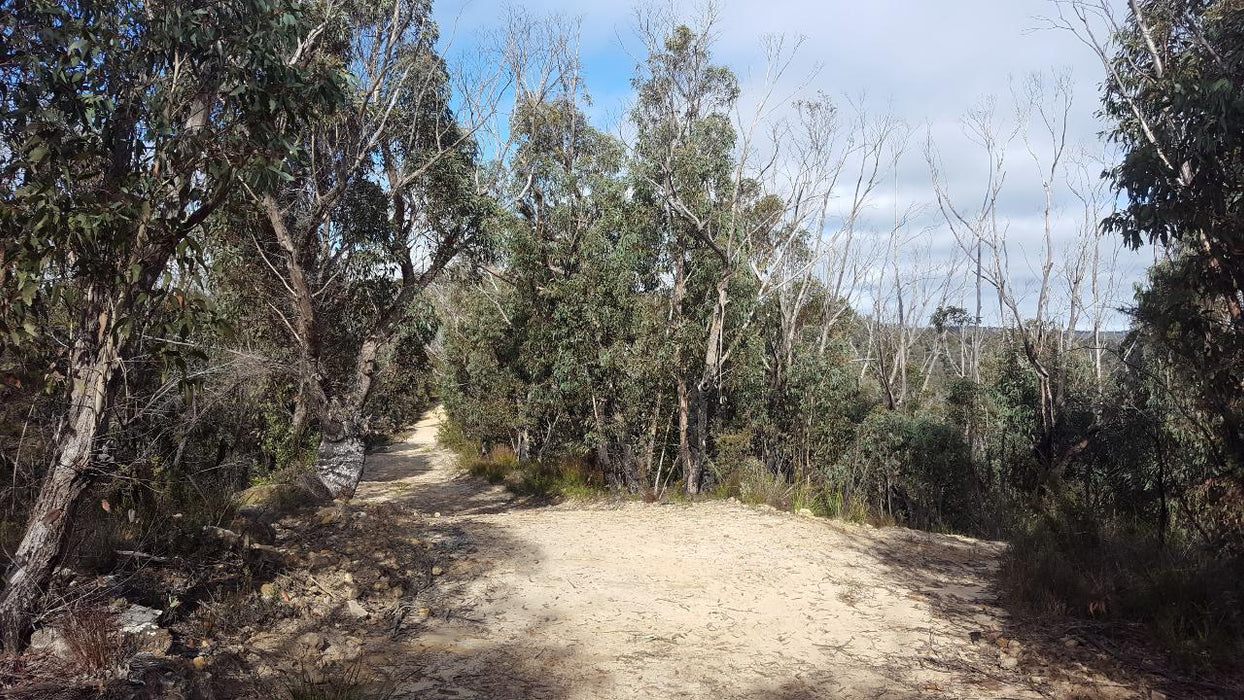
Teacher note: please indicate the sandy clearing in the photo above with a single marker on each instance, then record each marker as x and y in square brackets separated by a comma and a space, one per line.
[709, 600]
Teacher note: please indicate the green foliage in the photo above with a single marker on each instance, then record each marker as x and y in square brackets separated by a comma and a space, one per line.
[117, 154]
[1179, 119]
[1073, 563]
[559, 479]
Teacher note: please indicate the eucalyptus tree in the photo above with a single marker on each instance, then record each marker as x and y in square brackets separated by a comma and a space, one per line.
[126, 125]
[1045, 335]
[740, 218]
[384, 202]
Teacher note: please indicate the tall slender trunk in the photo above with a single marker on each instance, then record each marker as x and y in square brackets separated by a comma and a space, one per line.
[699, 449]
[650, 445]
[92, 367]
[708, 381]
[689, 466]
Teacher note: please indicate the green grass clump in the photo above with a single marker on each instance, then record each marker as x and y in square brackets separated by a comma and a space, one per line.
[562, 479]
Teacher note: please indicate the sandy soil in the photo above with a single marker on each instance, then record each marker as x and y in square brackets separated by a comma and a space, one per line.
[708, 600]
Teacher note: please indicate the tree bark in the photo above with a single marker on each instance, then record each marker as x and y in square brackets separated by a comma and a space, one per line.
[690, 468]
[339, 463]
[42, 546]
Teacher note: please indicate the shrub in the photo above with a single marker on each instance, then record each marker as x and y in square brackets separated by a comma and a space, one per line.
[1070, 564]
[346, 683]
[94, 641]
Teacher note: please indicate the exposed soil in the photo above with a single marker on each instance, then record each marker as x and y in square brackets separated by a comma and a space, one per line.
[705, 600]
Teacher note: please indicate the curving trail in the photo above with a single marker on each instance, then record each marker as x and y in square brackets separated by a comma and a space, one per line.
[709, 600]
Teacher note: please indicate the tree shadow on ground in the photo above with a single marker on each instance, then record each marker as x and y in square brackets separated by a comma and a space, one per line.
[406, 477]
[427, 643]
[1059, 658]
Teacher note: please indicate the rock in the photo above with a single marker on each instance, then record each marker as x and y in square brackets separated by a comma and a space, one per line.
[154, 641]
[51, 641]
[355, 609]
[437, 571]
[1014, 645]
[266, 643]
[329, 515]
[805, 513]
[343, 650]
[1070, 643]
[140, 631]
[1010, 663]
[310, 644]
[253, 530]
[273, 501]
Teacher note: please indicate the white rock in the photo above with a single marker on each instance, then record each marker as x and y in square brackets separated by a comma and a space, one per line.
[51, 641]
[356, 609]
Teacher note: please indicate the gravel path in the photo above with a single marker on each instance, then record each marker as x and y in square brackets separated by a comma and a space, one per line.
[709, 600]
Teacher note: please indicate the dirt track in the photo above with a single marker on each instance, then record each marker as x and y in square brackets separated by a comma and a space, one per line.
[711, 600]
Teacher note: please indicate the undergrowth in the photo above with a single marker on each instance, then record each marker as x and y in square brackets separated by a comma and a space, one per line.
[347, 683]
[1190, 602]
[562, 478]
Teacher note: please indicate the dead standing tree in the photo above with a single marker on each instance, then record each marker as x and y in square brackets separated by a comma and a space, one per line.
[1040, 125]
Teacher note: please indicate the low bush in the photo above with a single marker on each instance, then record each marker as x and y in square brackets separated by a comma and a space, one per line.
[346, 683]
[562, 478]
[1191, 601]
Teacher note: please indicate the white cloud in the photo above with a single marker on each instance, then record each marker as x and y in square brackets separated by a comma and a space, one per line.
[926, 62]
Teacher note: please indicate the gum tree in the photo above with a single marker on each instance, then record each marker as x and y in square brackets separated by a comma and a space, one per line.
[126, 126]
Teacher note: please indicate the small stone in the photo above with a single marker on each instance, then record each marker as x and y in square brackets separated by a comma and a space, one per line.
[355, 609]
[1014, 645]
[50, 640]
[805, 513]
[1070, 643]
[437, 571]
[436, 514]
[153, 641]
[343, 650]
[311, 642]
[1008, 662]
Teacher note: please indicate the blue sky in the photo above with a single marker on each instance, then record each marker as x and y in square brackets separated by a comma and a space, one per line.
[926, 62]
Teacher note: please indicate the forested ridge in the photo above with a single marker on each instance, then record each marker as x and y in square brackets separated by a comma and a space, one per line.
[246, 242]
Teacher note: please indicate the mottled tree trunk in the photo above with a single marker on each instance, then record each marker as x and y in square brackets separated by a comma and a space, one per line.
[339, 463]
[48, 527]
[650, 446]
